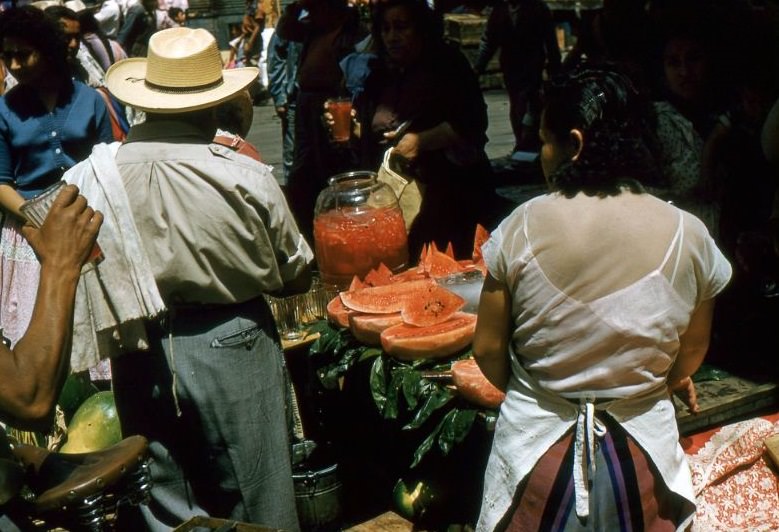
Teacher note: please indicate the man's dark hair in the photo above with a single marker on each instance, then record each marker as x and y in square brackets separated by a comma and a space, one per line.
[57, 13]
[29, 25]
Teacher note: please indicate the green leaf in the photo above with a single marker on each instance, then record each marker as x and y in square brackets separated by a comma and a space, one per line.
[427, 443]
[412, 387]
[457, 425]
[392, 407]
[378, 384]
[437, 397]
[328, 341]
[370, 352]
[329, 375]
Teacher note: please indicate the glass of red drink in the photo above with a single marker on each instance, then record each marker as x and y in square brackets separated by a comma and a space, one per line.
[341, 110]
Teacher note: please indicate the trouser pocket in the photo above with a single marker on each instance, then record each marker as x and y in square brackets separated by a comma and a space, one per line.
[245, 337]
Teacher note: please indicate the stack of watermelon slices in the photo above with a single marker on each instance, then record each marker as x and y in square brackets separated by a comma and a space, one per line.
[409, 314]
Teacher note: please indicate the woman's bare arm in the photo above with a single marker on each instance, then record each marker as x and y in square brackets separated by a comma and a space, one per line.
[11, 200]
[34, 371]
[694, 345]
[490, 344]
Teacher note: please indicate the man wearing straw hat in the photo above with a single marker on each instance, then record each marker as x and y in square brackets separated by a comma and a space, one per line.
[209, 394]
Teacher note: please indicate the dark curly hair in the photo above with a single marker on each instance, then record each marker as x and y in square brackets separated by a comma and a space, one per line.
[29, 25]
[605, 105]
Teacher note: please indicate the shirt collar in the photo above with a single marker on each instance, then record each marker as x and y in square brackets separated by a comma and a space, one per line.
[173, 131]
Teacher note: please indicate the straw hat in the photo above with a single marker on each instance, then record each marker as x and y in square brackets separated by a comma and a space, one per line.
[182, 72]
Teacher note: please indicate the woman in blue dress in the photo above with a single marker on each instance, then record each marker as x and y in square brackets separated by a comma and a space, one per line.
[48, 123]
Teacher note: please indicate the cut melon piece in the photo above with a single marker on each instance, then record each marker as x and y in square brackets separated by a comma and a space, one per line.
[367, 328]
[434, 305]
[385, 299]
[408, 342]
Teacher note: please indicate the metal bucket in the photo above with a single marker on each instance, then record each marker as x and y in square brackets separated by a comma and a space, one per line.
[318, 495]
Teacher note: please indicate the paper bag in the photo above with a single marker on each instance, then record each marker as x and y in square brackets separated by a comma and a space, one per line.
[408, 191]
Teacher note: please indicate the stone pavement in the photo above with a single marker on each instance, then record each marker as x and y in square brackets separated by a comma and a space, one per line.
[516, 180]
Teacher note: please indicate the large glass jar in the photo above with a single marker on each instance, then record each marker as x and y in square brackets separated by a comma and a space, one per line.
[357, 225]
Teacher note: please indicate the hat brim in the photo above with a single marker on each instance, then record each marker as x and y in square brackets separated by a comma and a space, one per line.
[126, 82]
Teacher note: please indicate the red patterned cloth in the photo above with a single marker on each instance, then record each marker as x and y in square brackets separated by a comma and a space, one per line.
[734, 482]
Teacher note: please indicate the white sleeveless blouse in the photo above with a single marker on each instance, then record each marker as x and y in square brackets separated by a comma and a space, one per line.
[602, 290]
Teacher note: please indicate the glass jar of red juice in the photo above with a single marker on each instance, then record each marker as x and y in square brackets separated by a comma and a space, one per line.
[357, 225]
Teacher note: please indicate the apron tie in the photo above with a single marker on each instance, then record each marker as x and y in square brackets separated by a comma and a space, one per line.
[588, 428]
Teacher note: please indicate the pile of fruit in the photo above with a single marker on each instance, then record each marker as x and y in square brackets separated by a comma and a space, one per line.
[412, 316]
[409, 314]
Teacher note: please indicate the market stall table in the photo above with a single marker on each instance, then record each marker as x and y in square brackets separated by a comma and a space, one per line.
[363, 419]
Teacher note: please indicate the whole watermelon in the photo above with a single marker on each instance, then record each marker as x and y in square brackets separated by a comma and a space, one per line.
[94, 426]
[77, 389]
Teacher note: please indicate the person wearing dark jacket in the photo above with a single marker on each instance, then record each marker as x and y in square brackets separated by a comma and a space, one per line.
[410, 81]
[283, 58]
[328, 31]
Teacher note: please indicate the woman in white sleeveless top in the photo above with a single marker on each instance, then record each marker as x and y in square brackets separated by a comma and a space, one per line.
[598, 302]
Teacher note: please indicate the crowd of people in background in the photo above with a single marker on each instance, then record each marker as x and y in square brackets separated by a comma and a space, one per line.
[704, 99]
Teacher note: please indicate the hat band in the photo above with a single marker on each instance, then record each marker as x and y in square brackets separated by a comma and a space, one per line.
[183, 90]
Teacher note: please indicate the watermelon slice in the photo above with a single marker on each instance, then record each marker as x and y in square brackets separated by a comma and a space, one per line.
[356, 284]
[407, 342]
[412, 274]
[337, 313]
[439, 264]
[385, 299]
[449, 250]
[367, 328]
[473, 386]
[480, 237]
[378, 277]
[434, 305]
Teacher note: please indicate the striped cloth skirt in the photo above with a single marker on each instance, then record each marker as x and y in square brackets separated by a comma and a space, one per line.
[627, 492]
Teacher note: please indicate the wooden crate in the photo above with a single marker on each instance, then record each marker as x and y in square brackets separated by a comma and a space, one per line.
[464, 29]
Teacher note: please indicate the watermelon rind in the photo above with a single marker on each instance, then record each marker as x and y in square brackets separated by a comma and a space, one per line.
[367, 328]
[94, 426]
[407, 342]
[77, 388]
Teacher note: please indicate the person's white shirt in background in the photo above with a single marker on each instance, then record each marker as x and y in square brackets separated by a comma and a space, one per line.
[109, 17]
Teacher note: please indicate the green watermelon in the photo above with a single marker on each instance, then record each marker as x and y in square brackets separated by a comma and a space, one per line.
[413, 497]
[77, 389]
[94, 426]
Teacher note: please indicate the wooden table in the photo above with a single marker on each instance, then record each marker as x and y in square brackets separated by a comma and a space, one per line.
[726, 400]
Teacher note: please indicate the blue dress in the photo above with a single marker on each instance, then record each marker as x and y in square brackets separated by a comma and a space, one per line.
[37, 146]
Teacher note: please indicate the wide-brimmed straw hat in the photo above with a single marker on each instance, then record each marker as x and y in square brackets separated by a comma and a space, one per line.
[182, 72]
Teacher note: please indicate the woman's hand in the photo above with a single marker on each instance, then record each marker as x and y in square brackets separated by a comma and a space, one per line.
[328, 121]
[684, 389]
[408, 146]
[411, 144]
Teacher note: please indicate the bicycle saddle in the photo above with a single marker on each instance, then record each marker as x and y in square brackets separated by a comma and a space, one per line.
[60, 480]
